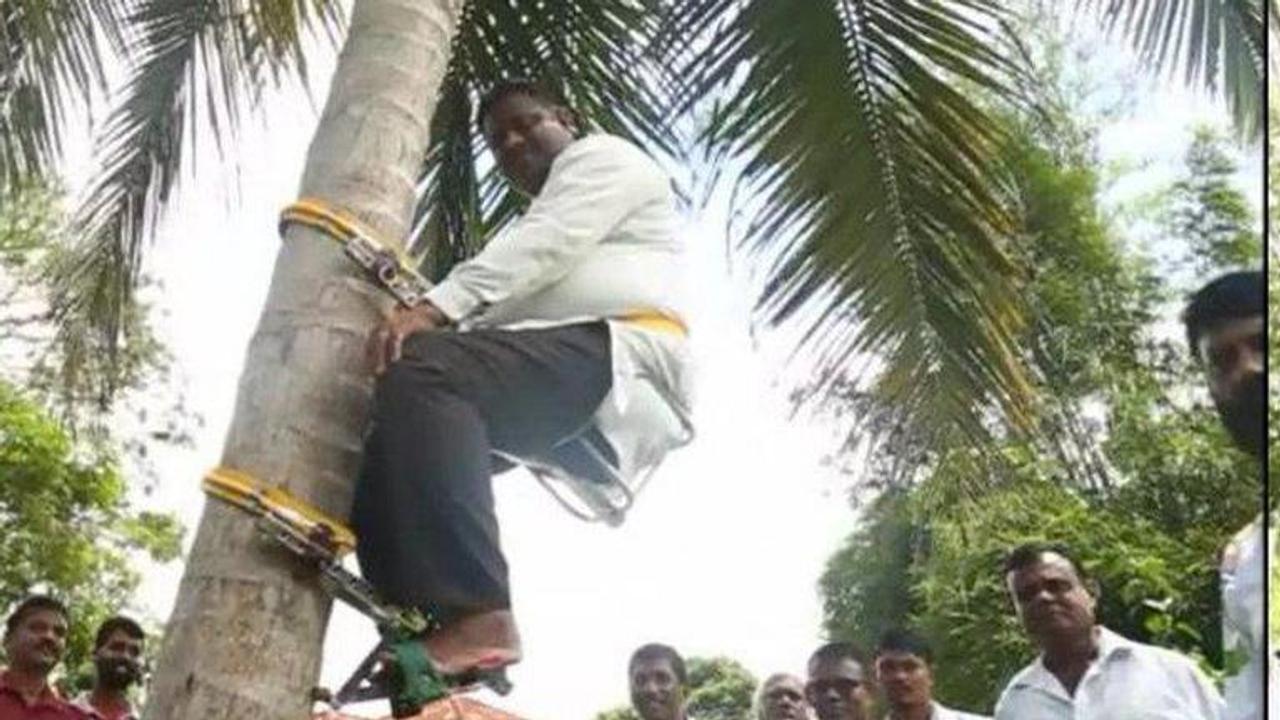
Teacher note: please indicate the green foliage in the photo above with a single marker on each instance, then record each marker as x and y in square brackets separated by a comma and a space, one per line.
[1211, 215]
[719, 688]
[1128, 463]
[66, 526]
[1151, 585]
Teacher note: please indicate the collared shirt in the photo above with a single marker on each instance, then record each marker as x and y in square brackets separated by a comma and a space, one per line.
[942, 712]
[48, 706]
[83, 702]
[1243, 571]
[599, 241]
[1127, 681]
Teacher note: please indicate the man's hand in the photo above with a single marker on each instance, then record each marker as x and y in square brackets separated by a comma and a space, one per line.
[386, 341]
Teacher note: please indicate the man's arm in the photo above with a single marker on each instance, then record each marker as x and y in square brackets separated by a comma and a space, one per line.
[593, 185]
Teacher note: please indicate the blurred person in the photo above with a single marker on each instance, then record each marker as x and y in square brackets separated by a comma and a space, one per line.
[782, 698]
[35, 637]
[658, 679]
[904, 672]
[839, 687]
[117, 664]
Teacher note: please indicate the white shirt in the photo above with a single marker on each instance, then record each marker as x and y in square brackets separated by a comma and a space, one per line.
[1127, 681]
[598, 242]
[1243, 571]
[942, 712]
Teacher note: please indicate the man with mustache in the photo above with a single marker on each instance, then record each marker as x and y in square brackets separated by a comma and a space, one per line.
[904, 671]
[570, 335]
[1226, 331]
[35, 636]
[117, 662]
[839, 687]
[1086, 671]
[658, 677]
[782, 698]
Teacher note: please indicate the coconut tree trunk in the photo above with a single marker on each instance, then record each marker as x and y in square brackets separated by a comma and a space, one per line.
[244, 640]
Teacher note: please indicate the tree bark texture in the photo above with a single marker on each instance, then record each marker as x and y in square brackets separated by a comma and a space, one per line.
[245, 638]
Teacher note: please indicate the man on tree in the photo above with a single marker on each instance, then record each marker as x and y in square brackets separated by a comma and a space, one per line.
[35, 636]
[1226, 330]
[117, 664]
[567, 329]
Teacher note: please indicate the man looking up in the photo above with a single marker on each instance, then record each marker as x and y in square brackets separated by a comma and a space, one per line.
[35, 636]
[569, 327]
[1226, 330]
[904, 671]
[117, 663]
[1085, 671]
[657, 676]
[838, 687]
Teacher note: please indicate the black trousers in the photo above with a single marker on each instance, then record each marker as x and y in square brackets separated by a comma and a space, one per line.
[424, 512]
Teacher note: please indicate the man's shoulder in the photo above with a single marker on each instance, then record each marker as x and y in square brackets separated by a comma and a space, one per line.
[614, 149]
[1023, 680]
[942, 712]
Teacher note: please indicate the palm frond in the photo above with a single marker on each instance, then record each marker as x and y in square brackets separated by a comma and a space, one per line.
[1219, 45]
[194, 61]
[51, 59]
[879, 201]
[595, 53]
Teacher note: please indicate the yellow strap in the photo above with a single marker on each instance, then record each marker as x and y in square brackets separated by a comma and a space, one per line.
[655, 320]
[249, 493]
[316, 213]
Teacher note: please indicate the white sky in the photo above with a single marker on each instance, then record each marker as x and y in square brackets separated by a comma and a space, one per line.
[722, 553]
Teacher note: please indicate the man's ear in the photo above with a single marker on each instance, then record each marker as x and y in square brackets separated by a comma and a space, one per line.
[569, 119]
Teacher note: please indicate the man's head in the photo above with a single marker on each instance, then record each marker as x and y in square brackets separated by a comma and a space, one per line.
[117, 653]
[782, 698]
[658, 677]
[904, 669]
[838, 687]
[35, 635]
[1226, 329]
[526, 126]
[1054, 597]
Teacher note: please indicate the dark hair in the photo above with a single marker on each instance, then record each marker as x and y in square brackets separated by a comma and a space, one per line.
[1233, 296]
[1028, 554]
[518, 86]
[32, 604]
[117, 623]
[658, 651]
[833, 651]
[901, 640]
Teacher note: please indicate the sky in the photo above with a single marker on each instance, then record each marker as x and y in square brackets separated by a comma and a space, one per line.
[721, 554]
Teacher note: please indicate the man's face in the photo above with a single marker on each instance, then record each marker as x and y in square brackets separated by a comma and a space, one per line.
[37, 643]
[783, 698]
[838, 690]
[1235, 361]
[906, 678]
[655, 690]
[526, 135]
[119, 661]
[1051, 600]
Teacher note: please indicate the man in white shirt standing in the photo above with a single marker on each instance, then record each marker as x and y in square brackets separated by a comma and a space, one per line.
[1085, 671]
[1226, 330]
[904, 672]
[568, 326]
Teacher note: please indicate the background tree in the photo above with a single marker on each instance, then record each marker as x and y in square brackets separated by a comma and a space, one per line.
[1129, 463]
[720, 688]
[66, 525]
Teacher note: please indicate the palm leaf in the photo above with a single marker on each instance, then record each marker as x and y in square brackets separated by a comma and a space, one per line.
[51, 57]
[878, 197]
[193, 60]
[1219, 45]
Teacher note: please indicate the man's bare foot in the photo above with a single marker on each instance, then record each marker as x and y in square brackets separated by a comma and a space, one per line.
[486, 640]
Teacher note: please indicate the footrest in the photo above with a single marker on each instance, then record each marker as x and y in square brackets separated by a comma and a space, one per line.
[303, 519]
